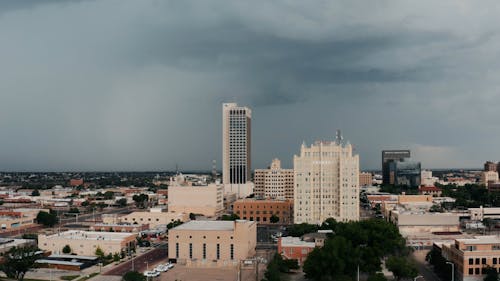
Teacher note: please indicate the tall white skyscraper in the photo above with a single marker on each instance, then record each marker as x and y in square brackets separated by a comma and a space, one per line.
[236, 163]
[326, 177]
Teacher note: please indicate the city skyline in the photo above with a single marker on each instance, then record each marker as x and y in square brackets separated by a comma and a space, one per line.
[137, 86]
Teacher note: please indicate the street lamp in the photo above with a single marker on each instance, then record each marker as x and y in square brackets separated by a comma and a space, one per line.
[420, 276]
[452, 270]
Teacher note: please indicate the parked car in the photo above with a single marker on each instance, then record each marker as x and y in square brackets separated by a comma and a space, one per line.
[169, 265]
[151, 273]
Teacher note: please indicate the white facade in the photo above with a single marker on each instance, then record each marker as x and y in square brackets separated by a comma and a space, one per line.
[326, 177]
[426, 178]
[236, 128]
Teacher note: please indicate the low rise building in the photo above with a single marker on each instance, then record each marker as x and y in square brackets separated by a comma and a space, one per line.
[86, 242]
[472, 257]
[411, 222]
[185, 197]
[119, 227]
[261, 211]
[12, 219]
[154, 218]
[479, 214]
[430, 190]
[294, 248]
[212, 243]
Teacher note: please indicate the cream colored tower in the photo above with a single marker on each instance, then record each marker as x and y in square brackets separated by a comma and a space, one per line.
[236, 129]
[326, 177]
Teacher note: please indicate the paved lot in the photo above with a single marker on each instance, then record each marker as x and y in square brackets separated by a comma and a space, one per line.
[181, 273]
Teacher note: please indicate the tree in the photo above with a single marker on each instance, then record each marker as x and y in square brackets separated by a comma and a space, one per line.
[140, 200]
[298, 230]
[19, 260]
[66, 249]
[109, 195]
[47, 219]
[231, 217]
[74, 210]
[491, 274]
[122, 202]
[116, 257]
[401, 267]
[174, 224]
[35, 193]
[337, 259]
[274, 219]
[99, 252]
[85, 203]
[192, 216]
[377, 277]
[133, 276]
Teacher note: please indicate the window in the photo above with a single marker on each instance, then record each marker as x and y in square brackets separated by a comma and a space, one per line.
[496, 247]
[204, 251]
[471, 271]
[218, 251]
[477, 261]
[471, 261]
[177, 250]
[190, 250]
[494, 260]
[483, 261]
[476, 271]
[471, 248]
[232, 251]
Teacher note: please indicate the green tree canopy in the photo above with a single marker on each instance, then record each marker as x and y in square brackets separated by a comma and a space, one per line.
[141, 200]
[491, 274]
[401, 267]
[133, 276]
[274, 219]
[66, 249]
[231, 217]
[47, 219]
[122, 202]
[35, 193]
[19, 260]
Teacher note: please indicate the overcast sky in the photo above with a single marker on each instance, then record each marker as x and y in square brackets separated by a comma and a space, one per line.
[138, 85]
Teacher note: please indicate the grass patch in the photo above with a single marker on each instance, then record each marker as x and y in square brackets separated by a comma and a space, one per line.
[69, 277]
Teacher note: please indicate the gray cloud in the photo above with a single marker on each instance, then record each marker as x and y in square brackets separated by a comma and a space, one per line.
[138, 85]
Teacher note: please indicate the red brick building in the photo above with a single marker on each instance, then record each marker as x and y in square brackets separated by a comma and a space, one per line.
[261, 211]
[294, 248]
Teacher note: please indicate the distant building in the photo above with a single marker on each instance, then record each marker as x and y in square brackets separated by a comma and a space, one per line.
[426, 178]
[326, 177]
[389, 156]
[365, 179]
[261, 211]
[212, 243]
[479, 214]
[472, 257]
[430, 190]
[411, 222]
[184, 197]
[490, 166]
[294, 248]
[75, 182]
[405, 173]
[12, 219]
[119, 227]
[86, 242]
[274, 183]
[154, 218]
[236, 145]
[488, 176]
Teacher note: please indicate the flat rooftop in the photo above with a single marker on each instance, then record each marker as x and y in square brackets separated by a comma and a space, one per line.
[206, 225]
[489, 239]
[91, 235]
[290, 241]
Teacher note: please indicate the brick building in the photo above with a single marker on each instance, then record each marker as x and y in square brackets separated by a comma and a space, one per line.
[261, 211]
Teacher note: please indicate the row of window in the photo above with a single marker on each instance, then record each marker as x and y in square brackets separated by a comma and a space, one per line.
[482, 261]
[231, 251]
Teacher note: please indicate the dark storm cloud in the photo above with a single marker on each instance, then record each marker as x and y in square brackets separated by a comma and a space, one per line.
[137, 85]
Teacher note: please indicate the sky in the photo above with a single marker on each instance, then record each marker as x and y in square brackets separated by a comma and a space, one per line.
[138, 85]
